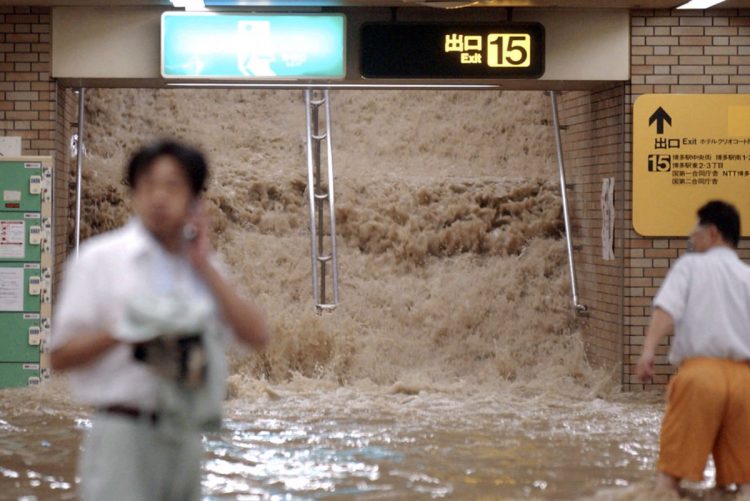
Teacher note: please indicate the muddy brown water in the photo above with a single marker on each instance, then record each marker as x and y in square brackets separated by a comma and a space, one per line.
[453, 368]
[308, 440]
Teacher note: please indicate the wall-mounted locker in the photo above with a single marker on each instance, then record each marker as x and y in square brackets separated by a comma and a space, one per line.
[25, 184]
[20, 337]
[23, 286]
[26, 260]
[23, 236]
[19, 374]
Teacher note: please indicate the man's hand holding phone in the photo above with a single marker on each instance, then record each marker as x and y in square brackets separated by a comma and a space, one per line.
[195, 234]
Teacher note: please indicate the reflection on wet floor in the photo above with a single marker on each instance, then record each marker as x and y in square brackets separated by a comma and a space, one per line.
[351, 444]
[434, 446]
[37, 455]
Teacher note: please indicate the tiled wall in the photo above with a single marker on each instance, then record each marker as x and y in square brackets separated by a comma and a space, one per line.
[593, 138]
[31, 104]
[65, 127]
[691, 52]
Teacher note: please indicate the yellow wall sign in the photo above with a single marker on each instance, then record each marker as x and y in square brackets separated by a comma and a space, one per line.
[689, 149]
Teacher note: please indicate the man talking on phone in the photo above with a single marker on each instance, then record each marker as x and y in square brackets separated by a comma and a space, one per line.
[141, 324]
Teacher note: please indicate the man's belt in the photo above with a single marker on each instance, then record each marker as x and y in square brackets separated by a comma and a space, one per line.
[131, 412]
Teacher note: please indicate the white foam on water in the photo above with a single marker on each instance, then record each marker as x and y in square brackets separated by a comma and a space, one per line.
[453, 367]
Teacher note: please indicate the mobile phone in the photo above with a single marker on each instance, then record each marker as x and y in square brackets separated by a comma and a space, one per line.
[190, 231]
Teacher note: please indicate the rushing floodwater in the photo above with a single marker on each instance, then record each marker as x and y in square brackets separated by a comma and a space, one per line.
[366, 443]
[422, 446]
[453, 368]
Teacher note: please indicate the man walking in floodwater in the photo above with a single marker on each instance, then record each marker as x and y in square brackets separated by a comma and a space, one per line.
[140, 323]
[705, 299]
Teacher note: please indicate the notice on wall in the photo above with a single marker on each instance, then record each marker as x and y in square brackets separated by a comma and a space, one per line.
[607, 203]
[689, 149]
[12, 241]
[11, 289]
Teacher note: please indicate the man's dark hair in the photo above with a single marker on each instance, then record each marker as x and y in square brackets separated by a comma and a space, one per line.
[725, 217]
[189, 158]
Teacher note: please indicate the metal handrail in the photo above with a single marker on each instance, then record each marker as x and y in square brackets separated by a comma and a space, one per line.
[79, 168]
[580, 308]
[316, 195]
[331, 202]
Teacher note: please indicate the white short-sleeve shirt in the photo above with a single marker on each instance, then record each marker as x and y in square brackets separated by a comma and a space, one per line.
[111, 268]
[708, 297]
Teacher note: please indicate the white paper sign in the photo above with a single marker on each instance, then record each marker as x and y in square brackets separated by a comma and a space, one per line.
[11, 196]
[12, 236]
[11, 289]
[608, 218]
[10, 146]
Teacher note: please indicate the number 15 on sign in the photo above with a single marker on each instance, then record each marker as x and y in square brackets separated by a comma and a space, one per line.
[508, 50]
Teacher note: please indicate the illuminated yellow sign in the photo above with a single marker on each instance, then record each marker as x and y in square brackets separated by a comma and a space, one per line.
[470, 47]
[504, 50]
[456, 50]
[509, 50]
[687, 150]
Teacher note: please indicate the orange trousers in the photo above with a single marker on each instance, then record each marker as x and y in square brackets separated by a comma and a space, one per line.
[708, 411]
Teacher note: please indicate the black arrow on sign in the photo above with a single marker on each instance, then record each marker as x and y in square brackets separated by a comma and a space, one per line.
[660, 116]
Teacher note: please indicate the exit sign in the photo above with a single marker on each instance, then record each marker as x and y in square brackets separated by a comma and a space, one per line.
[215, 45]
[462, 50]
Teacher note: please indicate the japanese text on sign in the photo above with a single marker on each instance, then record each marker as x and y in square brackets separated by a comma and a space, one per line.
[503, 49]
[688, 149]
[456, 50]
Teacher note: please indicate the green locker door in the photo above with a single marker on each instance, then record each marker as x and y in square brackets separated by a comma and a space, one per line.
[21, 287]
[18, 374]
[22, 235]
[21, 185]
[20, 336]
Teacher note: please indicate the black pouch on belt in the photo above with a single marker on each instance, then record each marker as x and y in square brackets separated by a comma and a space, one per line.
[180, 358]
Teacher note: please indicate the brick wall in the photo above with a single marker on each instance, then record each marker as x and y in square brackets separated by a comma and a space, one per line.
[27, 96]
[693, 52]
[593, 136]
[65, 127]
[31, 104]
[672, 51]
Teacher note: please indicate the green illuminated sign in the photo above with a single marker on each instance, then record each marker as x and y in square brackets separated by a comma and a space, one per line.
[210, 45]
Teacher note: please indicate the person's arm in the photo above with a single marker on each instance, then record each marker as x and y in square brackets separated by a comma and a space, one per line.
[245, 319]
[660, 326]
[81, 349]
[78, 334]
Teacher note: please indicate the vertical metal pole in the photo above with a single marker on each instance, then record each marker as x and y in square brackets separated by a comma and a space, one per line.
[79, 168]
[331, 202]
[318, 191]
[311, 194]
[580, 308]
[314, 99]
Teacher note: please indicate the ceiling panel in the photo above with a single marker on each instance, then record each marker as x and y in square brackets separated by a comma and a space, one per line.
[592, 4]
[630, 4]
